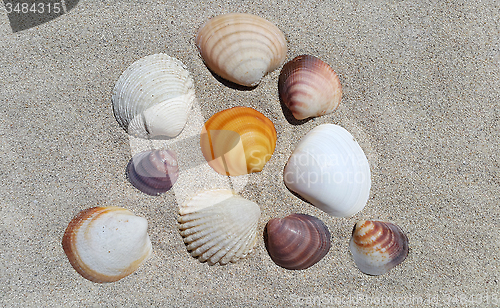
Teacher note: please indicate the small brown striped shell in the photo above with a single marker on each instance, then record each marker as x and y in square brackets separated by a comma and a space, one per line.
[377, 246]
[297, 241]
[309, 87]
[238, 141]
[153, 172]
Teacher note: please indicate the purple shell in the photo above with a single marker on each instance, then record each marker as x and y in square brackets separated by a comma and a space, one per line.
[153, 172]
[297, 241]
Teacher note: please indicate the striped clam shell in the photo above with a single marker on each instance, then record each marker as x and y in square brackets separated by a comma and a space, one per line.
[153, 172]
[309, 87]
[241, 48]
[297, 241]
[377, 246]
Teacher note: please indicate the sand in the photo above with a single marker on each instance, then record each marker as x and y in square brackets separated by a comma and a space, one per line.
[421, 84]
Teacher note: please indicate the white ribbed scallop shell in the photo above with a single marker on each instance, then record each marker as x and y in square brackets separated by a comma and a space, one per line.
[329, 169]
[241, 48]
[153, 97]
[219, 226]
[105, 244]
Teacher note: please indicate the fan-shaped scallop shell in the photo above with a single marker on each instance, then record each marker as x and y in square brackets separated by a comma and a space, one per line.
[330, 170]
[309, 87]
[153, 97]
[241, 48]
[297, 241]
[238, 141]
[219, 226]
[377, 246]
[105, 244]
[153, 172]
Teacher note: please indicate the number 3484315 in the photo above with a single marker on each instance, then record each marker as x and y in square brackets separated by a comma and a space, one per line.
[37, 8]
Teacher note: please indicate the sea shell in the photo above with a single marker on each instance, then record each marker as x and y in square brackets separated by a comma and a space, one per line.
[377, 246]
[297, 241]
[105, 244]
[309, 87]
[153, 172]
[329, 169]
[219, 226]
[153, 97]
[238, 141]
[241, 48]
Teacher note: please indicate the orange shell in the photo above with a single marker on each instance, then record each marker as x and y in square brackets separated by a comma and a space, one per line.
[238, 141]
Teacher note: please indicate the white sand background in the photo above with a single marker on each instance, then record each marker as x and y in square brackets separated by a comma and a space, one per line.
[421, 82]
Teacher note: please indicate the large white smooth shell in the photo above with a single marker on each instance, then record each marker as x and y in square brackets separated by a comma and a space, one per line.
[241, 48]
[153, 97]
[330, 170]
[105, 244]
[219, 226]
